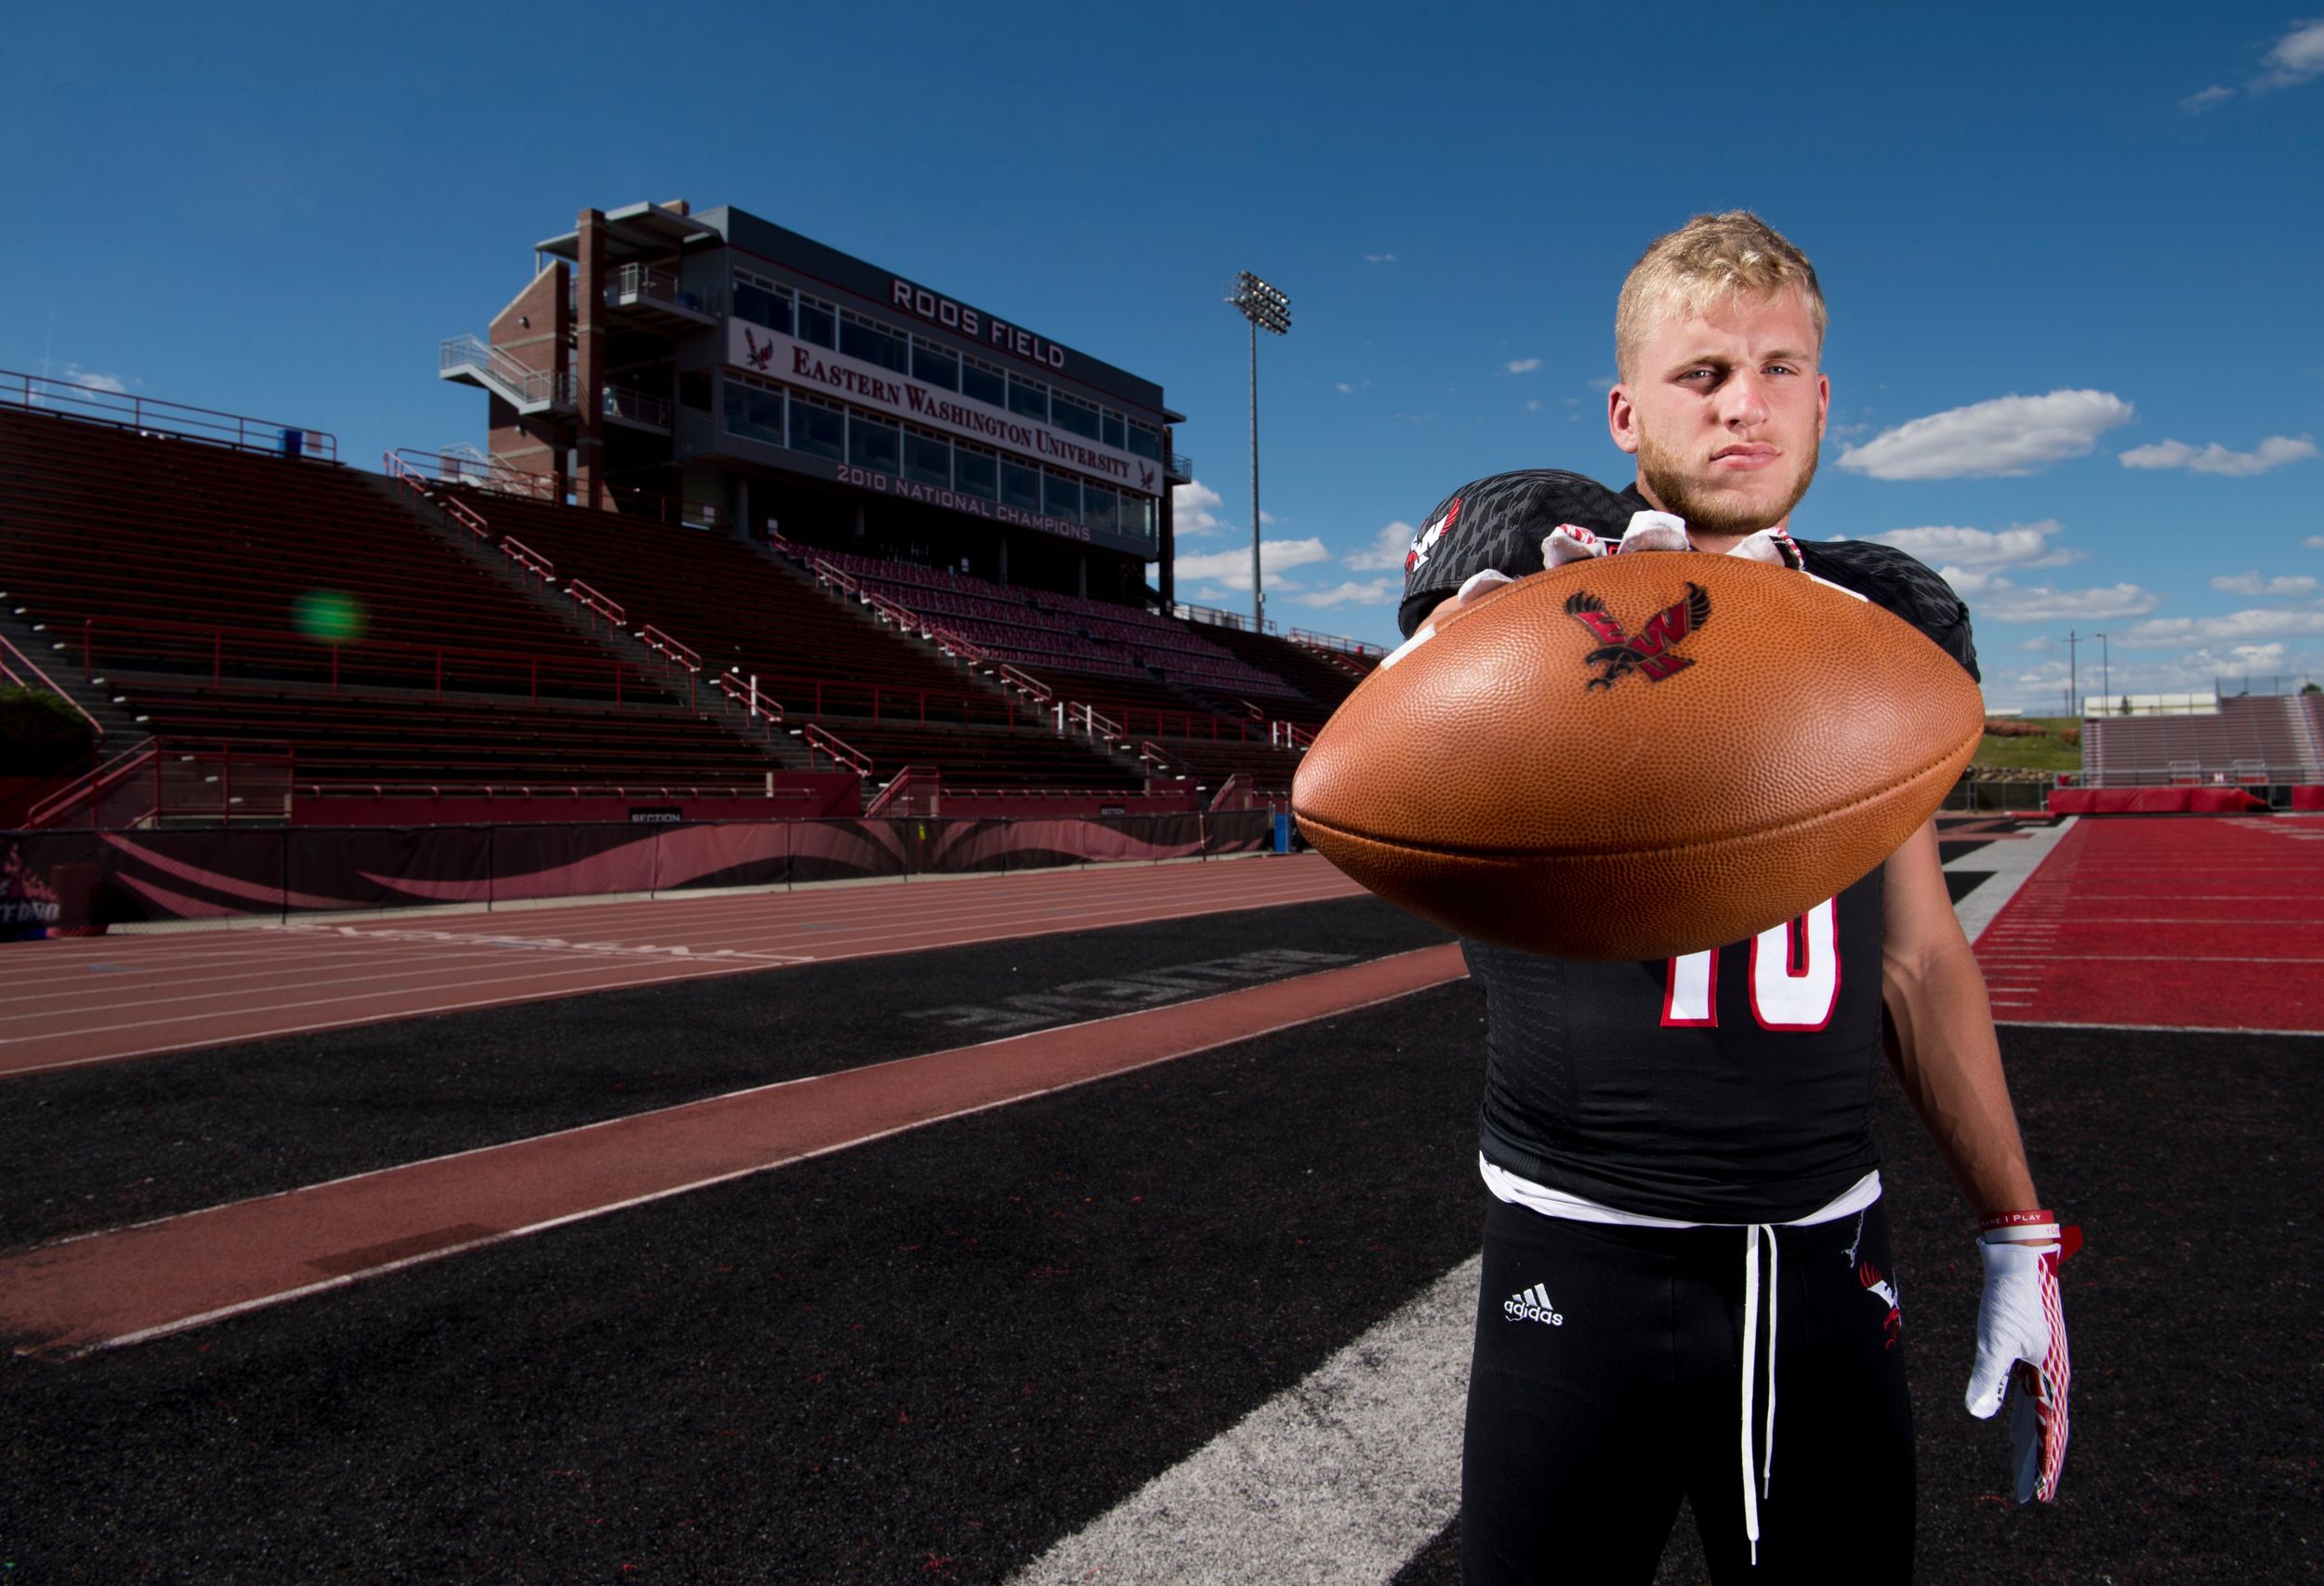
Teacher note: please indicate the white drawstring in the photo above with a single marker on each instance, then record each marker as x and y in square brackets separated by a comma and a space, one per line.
[1754, 1491]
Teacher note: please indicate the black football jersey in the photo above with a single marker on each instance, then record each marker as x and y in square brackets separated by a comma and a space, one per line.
[1731, 1086]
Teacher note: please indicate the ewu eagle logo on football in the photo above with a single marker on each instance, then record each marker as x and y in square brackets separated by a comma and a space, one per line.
[1652, 652]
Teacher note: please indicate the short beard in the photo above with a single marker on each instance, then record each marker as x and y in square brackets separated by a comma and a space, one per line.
[1705, 511]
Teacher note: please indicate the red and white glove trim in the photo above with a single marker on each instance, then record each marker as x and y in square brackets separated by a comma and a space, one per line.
[2022, 1357]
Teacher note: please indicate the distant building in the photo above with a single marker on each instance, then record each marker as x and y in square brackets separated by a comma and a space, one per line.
[718, 367]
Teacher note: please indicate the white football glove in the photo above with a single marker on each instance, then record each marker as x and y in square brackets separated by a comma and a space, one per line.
[2020, 1350]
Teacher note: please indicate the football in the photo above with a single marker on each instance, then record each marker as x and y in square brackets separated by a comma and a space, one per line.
[1638, 756]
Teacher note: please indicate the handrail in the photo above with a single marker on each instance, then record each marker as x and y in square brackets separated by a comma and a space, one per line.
[417, 482]
[104, 775]
[906, 783]
[43, 681]
[1289, 734]
[1027, 682]
[529, 790]
[593, 600]
[1150, 755]
[150, 415]
[525, 557]
[460, 463]
[1333, 641]
[735, 691]
[827, 574]
[304, 648]
[1092, 720]
[551, 386]
[681, 654]
[821, 738]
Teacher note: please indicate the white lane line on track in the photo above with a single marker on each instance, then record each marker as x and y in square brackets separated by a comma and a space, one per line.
[2159, 1029]
[1339, 1480]
[2007, 867]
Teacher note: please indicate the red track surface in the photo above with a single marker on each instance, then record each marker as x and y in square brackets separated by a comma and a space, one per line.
[141, 1282]
[75, 1001]
[2208, 922]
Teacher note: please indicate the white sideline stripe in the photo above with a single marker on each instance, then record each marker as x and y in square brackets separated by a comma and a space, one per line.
[1339, 1480]
[2157, 1029]
[2007, 867]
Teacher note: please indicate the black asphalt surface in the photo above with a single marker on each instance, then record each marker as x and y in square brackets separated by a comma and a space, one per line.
[930, 1357]
[149, 1137]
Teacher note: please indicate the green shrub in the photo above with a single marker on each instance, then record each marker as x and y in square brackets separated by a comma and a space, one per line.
[40, 735]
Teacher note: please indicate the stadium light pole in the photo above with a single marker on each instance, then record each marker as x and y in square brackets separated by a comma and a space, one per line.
[2105, 677]
[1267, 309]
[2073, 675]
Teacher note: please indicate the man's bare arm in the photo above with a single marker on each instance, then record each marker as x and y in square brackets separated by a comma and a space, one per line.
[1940, 1033]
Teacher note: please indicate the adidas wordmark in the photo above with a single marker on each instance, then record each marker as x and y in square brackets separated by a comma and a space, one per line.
[1533, 1305]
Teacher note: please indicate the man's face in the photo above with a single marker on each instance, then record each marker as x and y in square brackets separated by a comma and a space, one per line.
[1724, 411]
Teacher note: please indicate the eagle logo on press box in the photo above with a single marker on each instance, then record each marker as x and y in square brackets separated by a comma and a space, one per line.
[1654, 651]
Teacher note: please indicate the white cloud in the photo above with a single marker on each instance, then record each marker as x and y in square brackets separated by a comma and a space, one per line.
[1522, 365]
[2298, 55]
[1371, 592]
[2272, 452]
[1231, 568]
[2001, 600]
[1346, 389]
[2006, 436]
[2249, 584]
[1387, 549]
[2314, 542]
[1194, 510]
[1379, 259]
[1948, 547]
[2197, 103]
[1534, 406]
[2237, 628]
[73, 375]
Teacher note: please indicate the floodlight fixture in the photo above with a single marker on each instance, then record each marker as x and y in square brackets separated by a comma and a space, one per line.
[1270, 310]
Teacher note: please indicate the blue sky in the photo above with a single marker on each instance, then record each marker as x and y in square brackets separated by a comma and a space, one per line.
[2071, 254]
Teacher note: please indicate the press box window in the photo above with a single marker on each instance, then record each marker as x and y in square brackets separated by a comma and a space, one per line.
[1100, 509]
[984, 383]
[760, 305]
[874, 344]
[751, 413]
[871, 445]
[975, 473]
[817, 429]
[1077, 417]
[818, 321]
[1113, 435]
[1145, 442]
[1064, 497]
[1029, 398]
[1021, 486]
[937, 365]
[927, 458]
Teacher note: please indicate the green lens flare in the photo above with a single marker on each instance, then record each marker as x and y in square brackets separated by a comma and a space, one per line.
[329, 616]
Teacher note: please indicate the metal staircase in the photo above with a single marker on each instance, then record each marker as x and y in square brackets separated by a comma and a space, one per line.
[471, 362]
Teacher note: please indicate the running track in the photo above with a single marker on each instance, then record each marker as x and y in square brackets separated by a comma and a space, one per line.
[75, 1001]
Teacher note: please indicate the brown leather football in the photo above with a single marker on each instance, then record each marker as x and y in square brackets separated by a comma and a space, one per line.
[1638, 756]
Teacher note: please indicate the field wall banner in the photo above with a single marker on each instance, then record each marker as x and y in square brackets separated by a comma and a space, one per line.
[76, 883]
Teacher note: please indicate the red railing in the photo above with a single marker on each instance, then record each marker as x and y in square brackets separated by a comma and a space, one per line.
[529, 562]
[538, 790]
[1333, 641]
[418, 483]
[917, 790]
[595, 602]
[738, 692]
[25, 673]
[1091, 722]
[822, 740]
[1155, 757]
[161, 778]
[160, 644]
[1289, 735]
[1027, 683]
[149, 417]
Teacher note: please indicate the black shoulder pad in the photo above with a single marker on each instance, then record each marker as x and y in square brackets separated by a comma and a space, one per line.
[1899, 583]
[1500, 522]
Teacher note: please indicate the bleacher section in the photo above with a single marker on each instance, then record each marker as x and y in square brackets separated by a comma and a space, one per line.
[230, 596]
[2255, 738]
[1206, 726]
[896, 701]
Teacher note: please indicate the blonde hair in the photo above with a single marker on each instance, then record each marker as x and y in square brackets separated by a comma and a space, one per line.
[1710, 258]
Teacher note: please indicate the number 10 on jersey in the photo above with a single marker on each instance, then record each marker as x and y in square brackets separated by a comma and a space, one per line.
[1795, 977]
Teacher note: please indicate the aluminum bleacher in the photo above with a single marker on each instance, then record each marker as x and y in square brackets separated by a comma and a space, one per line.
[231, 596]
[2252, 738]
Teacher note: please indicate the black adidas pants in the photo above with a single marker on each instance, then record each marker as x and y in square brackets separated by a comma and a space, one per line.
[1607, 1385]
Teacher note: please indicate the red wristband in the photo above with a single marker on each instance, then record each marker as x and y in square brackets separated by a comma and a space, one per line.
[2014, 1220]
